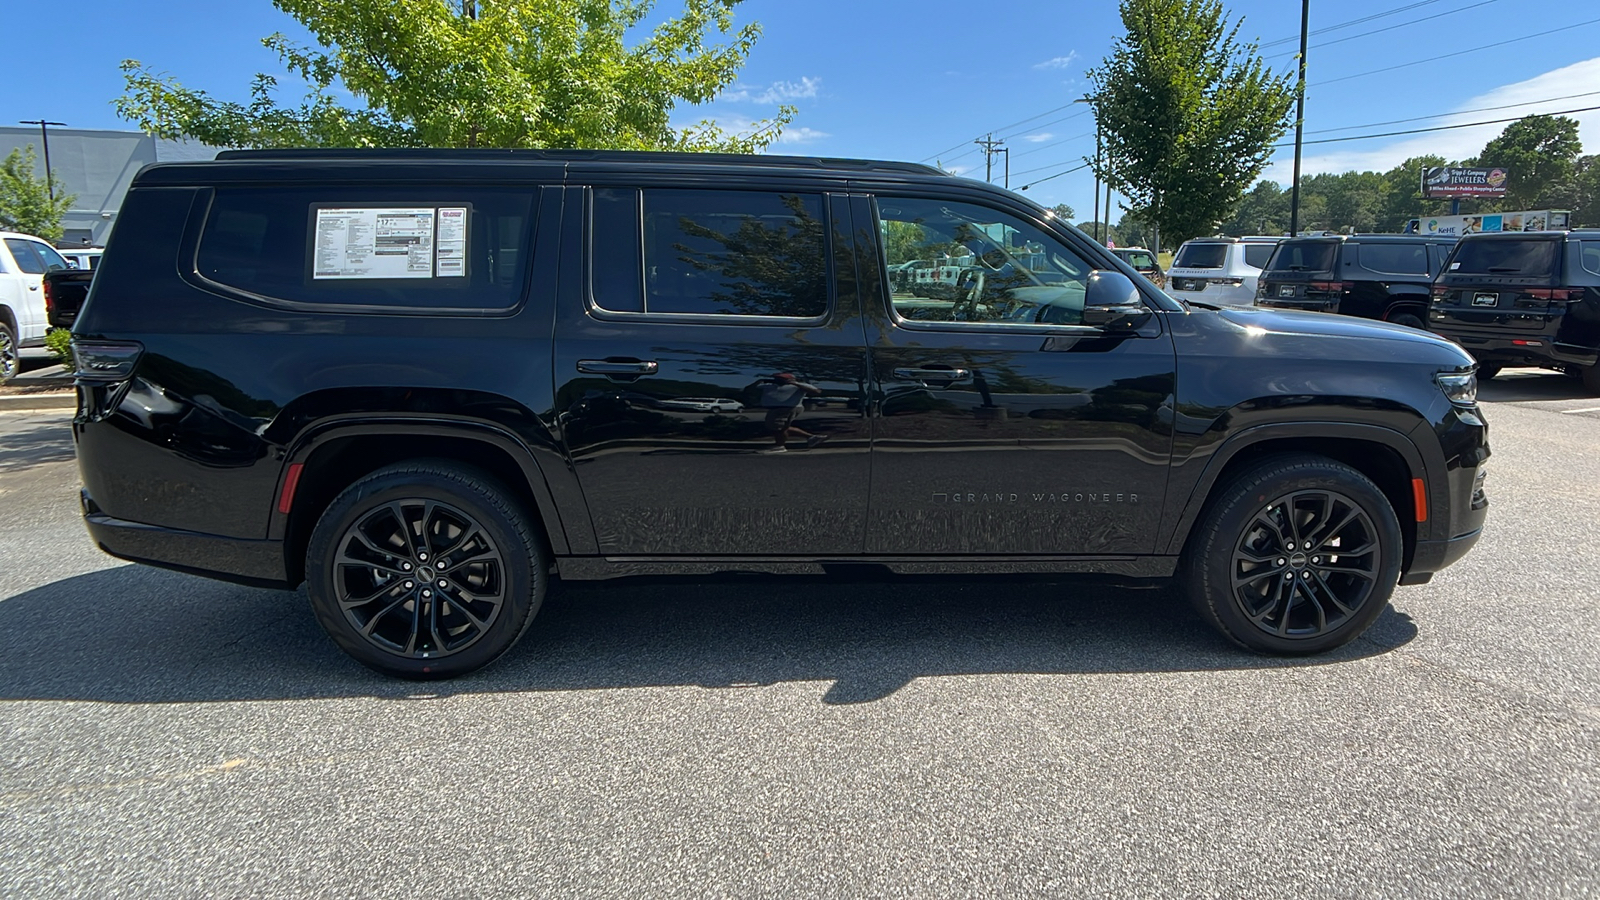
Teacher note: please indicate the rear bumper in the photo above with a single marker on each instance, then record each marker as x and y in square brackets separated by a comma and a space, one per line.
[254, 563]
[1503, 351]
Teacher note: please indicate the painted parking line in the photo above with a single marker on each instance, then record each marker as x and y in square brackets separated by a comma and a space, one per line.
[1569, 412]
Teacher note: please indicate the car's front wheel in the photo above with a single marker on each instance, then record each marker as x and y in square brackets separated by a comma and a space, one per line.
[9, 358]
[1298, 554]
[425, 570]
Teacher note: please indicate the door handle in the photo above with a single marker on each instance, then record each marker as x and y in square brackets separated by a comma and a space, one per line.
[947, 375]
[33, 287]
[618, 368]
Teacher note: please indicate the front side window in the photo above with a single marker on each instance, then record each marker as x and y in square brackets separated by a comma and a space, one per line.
[445, 247]
[970, 263]
[696, 252]
[52, 259]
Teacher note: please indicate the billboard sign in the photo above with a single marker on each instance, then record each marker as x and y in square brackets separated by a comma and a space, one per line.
[1458, 181]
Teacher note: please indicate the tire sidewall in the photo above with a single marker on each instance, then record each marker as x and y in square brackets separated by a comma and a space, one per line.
[1211, 565]
[475, 495]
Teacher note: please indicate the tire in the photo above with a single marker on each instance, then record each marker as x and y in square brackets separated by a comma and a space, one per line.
[1409, 320]
[10, 360]
[1487, 372]
[1246, 532]
[362, 570]
[1591, 379]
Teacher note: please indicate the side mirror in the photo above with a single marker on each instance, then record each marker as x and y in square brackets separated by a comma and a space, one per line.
[1112, 302]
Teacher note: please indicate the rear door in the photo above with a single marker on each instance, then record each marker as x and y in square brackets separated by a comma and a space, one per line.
[1002, 425]
[711, 368]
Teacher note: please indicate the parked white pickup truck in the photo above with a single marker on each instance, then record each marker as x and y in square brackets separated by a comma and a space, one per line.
[23, 261]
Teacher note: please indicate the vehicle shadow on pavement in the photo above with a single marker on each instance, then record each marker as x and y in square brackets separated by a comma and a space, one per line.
[46, 442]
[138, 635]
[1518, 386]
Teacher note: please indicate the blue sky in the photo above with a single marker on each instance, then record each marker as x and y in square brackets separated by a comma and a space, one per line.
[919, 81]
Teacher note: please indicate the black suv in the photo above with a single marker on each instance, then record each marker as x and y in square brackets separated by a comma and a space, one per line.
[1374, 276]
[1530, 299]
[424, 383]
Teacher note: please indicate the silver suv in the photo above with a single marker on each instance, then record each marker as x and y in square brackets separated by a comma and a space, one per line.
[1219, 270]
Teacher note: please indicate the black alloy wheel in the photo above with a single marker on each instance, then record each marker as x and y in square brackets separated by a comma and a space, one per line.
[1409, 320]
[9, 362]
[1297, 554]
[425, 570]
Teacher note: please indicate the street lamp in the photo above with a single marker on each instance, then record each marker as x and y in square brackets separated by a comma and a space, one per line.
[44, 136]
[1096, 170]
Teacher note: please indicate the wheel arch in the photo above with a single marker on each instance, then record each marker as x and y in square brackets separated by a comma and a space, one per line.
[337, 454]
[1389, 458]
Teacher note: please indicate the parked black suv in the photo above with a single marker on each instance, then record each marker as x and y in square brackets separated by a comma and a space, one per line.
[1529, 299]
[1374, 276]
[425, 382]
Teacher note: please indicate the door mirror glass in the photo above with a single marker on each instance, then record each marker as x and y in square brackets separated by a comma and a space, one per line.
[1111, 301]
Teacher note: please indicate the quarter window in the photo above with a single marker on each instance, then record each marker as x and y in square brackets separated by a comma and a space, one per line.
[1591, 257]
[440, 247]
[958, 262]
[696, 253]
[1394, 259]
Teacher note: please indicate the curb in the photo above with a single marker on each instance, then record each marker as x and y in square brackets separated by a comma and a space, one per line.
[51, 400]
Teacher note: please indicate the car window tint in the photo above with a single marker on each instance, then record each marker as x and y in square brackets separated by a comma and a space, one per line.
[1201, 256]
[438, 247]
[1256, 255]
[1591, 256]
[749, 253]
[22, 251]
[1396, 259]
[984, 266]
[1304, 256]
[52, 259]
[1493, 256]
[615, 259]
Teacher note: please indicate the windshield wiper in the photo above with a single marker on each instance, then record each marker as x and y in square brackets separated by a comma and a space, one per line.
[1505, 268]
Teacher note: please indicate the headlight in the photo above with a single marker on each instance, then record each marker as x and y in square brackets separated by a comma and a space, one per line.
[1462, 389]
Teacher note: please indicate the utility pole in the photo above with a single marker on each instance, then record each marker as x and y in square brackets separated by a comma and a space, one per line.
[1007, 152]
[990, 148]
[1299, 120]
[44, 137]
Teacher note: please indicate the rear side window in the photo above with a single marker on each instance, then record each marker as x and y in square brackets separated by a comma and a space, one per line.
[1530, 258]
[1256, 255]
[1200, 256]
[695, 252]
[1591, 257]
[1304, 256]
[1395, 259]
[442, 247]
[27, 260]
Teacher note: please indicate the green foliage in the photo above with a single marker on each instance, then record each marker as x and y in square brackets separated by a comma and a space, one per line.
[1538, 152]
[500, 73]
[25, 203]
[1063, 211]
[1106, 231]
[1188, 112]
[59, 342]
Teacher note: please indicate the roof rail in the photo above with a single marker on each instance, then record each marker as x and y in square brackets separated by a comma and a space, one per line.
[747, 159]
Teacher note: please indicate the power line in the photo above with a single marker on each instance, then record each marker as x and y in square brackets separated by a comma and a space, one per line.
[1056, 175]
[1363, 137]
[1407, 24]
[1001, 128]
[1459, 112]
[1076, 137]
[1361, 21]
[1430, 59]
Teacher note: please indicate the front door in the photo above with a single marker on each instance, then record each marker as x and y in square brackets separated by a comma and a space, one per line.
[1002, 423]
[712, 378]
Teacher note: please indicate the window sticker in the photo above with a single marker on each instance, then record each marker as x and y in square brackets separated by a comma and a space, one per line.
[450, 244]
[387, 242]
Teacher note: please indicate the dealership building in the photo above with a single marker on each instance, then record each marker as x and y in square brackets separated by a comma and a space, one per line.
[97, 167]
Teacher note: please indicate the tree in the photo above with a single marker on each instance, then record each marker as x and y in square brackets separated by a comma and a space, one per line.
[495, 73]
[1537, 152]
[1064, 212]
[25, 203]
[1264, 210]
[1404, 200]
[1189, 114]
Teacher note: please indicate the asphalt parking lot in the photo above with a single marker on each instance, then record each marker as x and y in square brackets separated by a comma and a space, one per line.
[165, 735]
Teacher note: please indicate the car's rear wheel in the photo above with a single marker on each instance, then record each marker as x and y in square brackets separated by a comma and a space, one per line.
[8, 353]
[1298, 554]
[1487, 372]
[425, 570]
[1591, 378]
[1409, 320]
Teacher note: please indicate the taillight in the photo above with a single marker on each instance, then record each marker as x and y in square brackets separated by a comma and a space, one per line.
[1565, 295]
[1440, 292]
[105, 360]
[49, 301]
[1331, 287]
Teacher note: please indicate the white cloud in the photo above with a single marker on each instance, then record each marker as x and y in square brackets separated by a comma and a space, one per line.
[957, 170]
[777, 92]
[1059, 62]
[802, 135]
[1038, 138]
[1457, 143]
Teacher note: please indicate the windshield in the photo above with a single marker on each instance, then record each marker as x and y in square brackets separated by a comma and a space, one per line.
[1304, 256]
[1497, 257]
[1139, 259]
[1200, 256]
